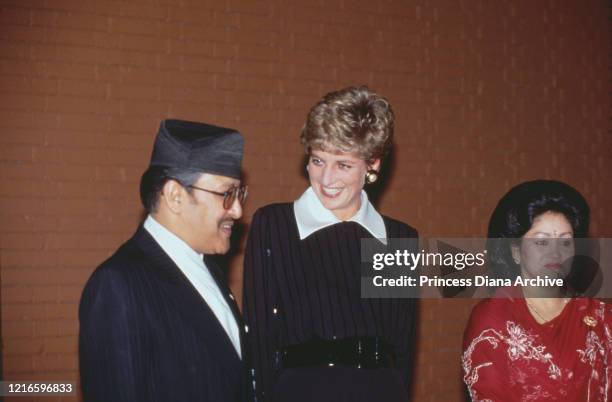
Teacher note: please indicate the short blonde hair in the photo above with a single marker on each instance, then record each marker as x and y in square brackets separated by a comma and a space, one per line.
[353, 119]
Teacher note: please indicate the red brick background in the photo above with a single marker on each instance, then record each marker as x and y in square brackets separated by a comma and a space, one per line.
[486, 93]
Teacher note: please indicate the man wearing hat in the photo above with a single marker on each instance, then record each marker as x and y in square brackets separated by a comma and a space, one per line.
[157, 321]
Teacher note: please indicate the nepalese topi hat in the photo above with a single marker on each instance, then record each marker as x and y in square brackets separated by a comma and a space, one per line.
[198, 146]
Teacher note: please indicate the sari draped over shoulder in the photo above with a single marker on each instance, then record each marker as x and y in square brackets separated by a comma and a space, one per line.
[508, 356]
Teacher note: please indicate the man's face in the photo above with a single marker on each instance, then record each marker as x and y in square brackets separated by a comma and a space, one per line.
[206, 225]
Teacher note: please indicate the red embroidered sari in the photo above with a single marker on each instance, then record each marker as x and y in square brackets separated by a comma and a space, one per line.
[509, 356]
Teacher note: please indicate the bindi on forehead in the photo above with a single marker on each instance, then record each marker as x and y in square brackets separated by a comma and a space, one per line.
[550, 224]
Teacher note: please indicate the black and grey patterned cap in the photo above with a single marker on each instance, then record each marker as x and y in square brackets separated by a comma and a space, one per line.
[198, 146]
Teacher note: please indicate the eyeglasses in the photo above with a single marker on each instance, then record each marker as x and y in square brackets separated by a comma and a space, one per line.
[239, 192]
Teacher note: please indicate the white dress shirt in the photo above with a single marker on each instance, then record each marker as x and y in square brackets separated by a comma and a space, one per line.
[193, 267]
[311, 215]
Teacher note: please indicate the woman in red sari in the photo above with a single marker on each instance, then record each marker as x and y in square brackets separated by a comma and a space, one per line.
[537, 343]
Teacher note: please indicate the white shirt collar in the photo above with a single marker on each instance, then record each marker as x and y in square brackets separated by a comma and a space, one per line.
[193, 267]
[311, 216]
[173, 245]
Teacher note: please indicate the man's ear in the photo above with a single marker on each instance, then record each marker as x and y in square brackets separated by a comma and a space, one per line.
[172, 196]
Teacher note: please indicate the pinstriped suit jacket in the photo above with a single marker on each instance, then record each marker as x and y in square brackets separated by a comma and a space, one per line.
[147, 335]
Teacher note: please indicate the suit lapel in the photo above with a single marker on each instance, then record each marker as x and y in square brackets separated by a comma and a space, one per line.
[192, 306]
[219, 276]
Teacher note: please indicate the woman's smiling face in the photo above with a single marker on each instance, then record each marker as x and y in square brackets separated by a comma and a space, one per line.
[337, 179]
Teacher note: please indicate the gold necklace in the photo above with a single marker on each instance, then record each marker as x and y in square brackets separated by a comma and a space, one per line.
[531, 307]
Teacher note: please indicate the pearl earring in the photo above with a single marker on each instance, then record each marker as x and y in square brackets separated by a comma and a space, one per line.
[371, 176]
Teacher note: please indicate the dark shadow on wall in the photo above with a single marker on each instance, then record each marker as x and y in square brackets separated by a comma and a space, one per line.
[417, 340]
[466, 394]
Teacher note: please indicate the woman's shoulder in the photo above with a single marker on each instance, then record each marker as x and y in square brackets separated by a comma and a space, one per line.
[491, 314]
[396, 228]
[273, 211]
[599, 309]
[493, 307]
[273, 218]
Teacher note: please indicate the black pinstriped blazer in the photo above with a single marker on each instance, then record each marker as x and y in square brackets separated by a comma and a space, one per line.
[147, 335]
[295, 290]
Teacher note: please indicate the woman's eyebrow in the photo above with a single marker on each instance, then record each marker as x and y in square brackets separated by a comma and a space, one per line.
[549, 234]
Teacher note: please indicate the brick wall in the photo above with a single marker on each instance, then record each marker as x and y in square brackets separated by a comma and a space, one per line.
[487, 94]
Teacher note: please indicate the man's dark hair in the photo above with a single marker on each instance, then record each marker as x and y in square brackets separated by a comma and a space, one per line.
[154, 179]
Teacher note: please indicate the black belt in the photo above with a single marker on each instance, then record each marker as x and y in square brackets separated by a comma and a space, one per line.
[362, 352]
